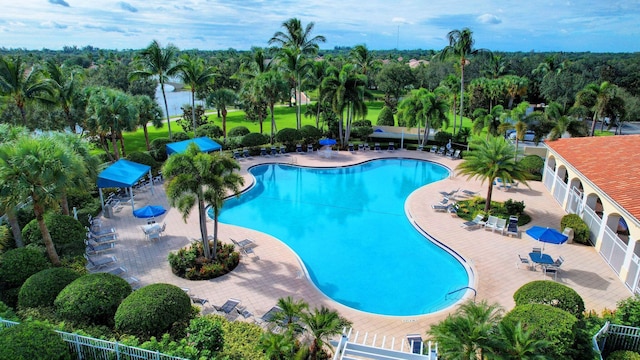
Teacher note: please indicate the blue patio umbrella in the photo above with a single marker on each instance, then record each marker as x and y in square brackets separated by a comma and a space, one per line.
[149, 211]
[325, 142]
[547, 235]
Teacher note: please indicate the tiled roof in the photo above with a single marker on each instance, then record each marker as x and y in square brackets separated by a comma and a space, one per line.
[612, 163]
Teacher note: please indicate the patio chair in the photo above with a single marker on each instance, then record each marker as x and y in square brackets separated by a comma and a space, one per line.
[94, 248]
[103, 239]
[376, 147]
[101, 232]
[245, 153]
[449, 153]
[366, 147]
[360, 147]
[475, 223]
[450, 193]
[456, 155]
[469, 192]
[351, 148]
[491, 223]
[198, 300]
[525, 261]
[512, 226]
[440, 150]
[501, 225]
[283, 150]
[236, 154]
[134, 282]
[420, 148]
[99, 263]
[274, 152]
[551, 269]
[536, 250]
[119, 271]
[309, 148]
[263, 152]
[391, 147]
[434, 149]
[242, 310]
[442, 208]
[247, 249]
[154, 235]
[299, 149]
[416, 344]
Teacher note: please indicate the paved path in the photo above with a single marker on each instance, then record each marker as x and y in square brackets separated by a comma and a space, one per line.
[276, 271]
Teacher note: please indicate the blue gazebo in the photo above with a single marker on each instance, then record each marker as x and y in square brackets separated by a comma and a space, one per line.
[204, 143]
[123, 174]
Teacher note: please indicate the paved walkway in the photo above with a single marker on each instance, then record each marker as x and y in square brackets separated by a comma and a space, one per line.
[276, 271]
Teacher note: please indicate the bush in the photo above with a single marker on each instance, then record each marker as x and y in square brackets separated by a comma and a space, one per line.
[310, 134]
[385, 118]
[623, 355]
[206, 335]
[189, 262]
[240, 339]
[532, 164]
[6, 240]
[67, 233]
[361, 132]
[17, 265]
[288, 136]
[442, 137]
[547, 323]
[159, 148]
[550, 293]
[358, 123]
[143, 158]
[92, 298]
[514, 207]
[42, 288]
[580, 228]
[238, 131]
[180, 136]
[254, 139]
[153, 310]
[32, 340]
[628, 311]
[7, 313]
[209, 130]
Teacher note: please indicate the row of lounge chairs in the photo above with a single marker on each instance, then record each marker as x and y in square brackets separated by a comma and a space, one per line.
[495, 224]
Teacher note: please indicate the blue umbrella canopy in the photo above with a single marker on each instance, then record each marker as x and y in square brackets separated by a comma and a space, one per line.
[547, 235]
[149, 211]
[327, 142]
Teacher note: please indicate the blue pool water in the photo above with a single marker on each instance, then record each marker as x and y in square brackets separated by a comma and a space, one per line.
[349, 227]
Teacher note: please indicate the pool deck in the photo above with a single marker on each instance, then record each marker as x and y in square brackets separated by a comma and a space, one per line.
[275, 271]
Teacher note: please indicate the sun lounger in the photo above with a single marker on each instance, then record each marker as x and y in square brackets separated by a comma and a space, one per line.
[391, 146]
[475, 223]
[512, 227]
[360, 147]
[434, 149]
[309, 148]
[376, 147]
[243, 311]
[501, 225]
[299, 149]
[263, 152]
[283, 150]
[94, 248]
[101, 232]
[366, 147]
[99, 263]
[469, 192]
[119, 271]
[351, 147]
[420, 148]
[491, 223]
[229, 305]
[441, 208]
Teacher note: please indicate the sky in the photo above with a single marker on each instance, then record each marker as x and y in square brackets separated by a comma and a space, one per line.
[497, 25]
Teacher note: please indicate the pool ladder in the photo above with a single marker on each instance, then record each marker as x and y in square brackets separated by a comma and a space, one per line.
[475, 293]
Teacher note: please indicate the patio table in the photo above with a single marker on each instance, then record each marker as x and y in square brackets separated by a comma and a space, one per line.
[541, 259]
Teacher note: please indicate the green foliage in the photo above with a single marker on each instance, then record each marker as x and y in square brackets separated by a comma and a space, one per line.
[6, 240]
[532, 164]
[254, 139]
[92, 208]
[180, 136]
[32, 340]
[310, 134]
[67, 233]
[550, 293]
[210, 130]
[17, 265]
[514, 207]
[288, 136]
[92, 298]
[385, 118]
[7, 313]
[167, 346]
[143, 158]
[206, 335]
[153, 310]
[42, 288]
[159, 148]
[442, 137]
[189, 262]
[468, 209]
[358, 123]
[580, 228]
[623, 355]
[361, 132]
[238, 131]
[240, 339]
[547, 323]
[628, 311]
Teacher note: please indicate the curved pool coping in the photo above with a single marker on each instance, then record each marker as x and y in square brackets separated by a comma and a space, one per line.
[469, 268]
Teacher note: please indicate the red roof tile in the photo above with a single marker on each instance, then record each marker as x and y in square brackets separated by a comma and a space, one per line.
[612, 163]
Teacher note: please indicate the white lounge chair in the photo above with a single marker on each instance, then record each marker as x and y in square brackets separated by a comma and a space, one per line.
[491, 223]
[475, 223]
[501, 225]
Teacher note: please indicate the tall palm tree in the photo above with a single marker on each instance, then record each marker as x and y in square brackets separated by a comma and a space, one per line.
[598, 99]
[313, 79]
[515, 86]
[22, 84]
[460, 46]
[449, 84]
[193, 72]
[322, 323]
[490, 120]
[519, 114]
[517, 343]
[273, 88]
[564, 121]
[37, 168]
[149, 112]
[468, 333]
[222, 99]
[301, 45]
[67, 89]
[196, 178]
[161, 62]
[490, 159]
[426, 108]
[9, 199]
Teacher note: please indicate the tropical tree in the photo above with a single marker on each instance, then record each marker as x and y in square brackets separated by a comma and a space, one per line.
[21, 84]
[490, 159]
[490, 120]
[277, 346]
[468, 333]
[37, 168]
[273, 88]
[301, 45]
[600, 99]
[393, 79]
[9, 199]
[426, 108]
[322, 323]
[461, 47]
[161, 62]
[194, 73]
[313, 80]
[514, 342]
[514, 86]
[195, 179]
[149, 112]
[564, 121]
[291, 313]
[449, 85]
[67, 91]
[518, 115]
[222, 99]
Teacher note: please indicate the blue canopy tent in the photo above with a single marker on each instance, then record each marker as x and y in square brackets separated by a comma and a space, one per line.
[204, 143]
[123, 174]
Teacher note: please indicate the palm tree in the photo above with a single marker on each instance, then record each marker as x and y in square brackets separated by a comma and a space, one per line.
[9, 199]
[196, 178]
[519, 114]
[449, 84]
[564, 121]
[515, 86]
[67, 90]
[222, 99]
[322, 323]
[193, 72]
[21, 84]
[37, 168]
[460, 46]
[313, 79]
[423, 107]
[277, 346]
[490, 159]
[598, 99]
[490, 120]
[273, 88]
[292, 311]
[156, 61]
[516, 343]
[301, 46]
[468, 333]
[148, 112]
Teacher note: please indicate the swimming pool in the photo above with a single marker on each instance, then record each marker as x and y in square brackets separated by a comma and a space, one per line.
[349, 227]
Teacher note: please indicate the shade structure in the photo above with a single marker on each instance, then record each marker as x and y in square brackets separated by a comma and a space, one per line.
[547, 235]
[149, 211]
[326, 142]
[122, 174]
[204, 143]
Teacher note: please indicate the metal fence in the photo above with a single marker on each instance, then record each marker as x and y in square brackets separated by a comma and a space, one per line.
[84, 347]
[616, 337]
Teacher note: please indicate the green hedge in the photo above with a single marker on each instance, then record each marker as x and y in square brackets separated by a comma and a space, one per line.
[210, 130]
[42, 288]
[254, 139]
[92, 298]
[153, 310]
[159, 148]
[237, 131]
[385, 118]
[623, 355]
[550, 293]
[144, 158]
[580, 228]
[288, 136]
[67, 233]
[628, 311]
[17, 265]
[32, 340]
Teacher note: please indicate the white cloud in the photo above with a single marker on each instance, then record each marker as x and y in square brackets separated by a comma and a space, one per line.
[488, 19]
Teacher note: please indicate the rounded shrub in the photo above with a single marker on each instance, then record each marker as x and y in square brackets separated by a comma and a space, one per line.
[17, 265]
[32, 340]
[546, 322]
[211, 130]
[550, 293]
[143, 158]
[92, 298]
[623, 355]
[67, 233]
[153, 310]
[42, 288]
[310, 134]
[628, 311]
[159, 148]
[238, 131]
[180, 136]
[288, 136]
[385, 118]
[206, 335]
[580, 228]
[442, 137]
[254, 139]
[532, 164]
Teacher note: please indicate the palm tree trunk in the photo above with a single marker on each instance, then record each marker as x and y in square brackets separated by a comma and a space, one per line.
[298, 105]
[166, 107]
[318, 114]
[593, 124]
[114, 143]
[273, 122]
[146, 136]
[487, 205]
[224, 123]
[46, 236]
[64, 203]
[193, 110]
[124, 154]
[203, 229]
[461, 92]
[455, 117]
[15, 227]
